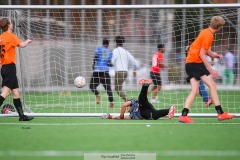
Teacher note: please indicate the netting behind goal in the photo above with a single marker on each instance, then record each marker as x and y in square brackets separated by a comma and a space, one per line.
[63, 44]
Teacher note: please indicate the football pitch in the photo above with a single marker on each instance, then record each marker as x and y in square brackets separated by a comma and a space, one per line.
[67, 138]
[71, 138]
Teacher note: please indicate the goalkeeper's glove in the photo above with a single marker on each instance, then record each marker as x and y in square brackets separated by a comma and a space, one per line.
[121, 116]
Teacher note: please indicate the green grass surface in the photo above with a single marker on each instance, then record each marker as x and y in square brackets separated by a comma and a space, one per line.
[84, 101]
[69, 138]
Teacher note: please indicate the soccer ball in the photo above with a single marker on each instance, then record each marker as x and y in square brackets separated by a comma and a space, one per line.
[80, 82]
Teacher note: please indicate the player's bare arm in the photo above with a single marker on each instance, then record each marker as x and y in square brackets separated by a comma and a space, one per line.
[24, 43]
[123, 109]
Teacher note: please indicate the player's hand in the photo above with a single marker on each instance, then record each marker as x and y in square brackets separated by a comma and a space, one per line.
[214, 73]
[121, 116]
[29, 41]
[219, 56]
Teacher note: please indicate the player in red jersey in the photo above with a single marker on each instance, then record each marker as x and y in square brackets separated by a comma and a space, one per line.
[156, 66]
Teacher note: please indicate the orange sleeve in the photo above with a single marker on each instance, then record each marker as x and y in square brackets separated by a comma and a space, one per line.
[15, 40]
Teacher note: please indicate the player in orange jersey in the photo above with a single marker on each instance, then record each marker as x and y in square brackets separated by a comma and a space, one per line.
[9, 42]
[198, 68]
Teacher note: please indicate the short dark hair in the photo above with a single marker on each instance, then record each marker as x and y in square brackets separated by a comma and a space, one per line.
[119, 39]
[160, 46]
[105, 41]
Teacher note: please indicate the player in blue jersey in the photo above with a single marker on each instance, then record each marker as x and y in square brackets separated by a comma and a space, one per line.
[101, 64]
[142, 108]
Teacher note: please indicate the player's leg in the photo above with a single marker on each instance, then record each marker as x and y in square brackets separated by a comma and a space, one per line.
[106, 81]
[94, 82]
[231, 77]
[156, 114]
[120, 77]
[18, 105]
[156, 77]
[193, 93]
[224, 76]
[154, 86]
[214, 96]
[204, 94]
[5, 93]
[145, 107]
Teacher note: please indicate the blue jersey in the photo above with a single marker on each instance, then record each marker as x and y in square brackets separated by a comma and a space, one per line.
[134, 111]
[104, 55]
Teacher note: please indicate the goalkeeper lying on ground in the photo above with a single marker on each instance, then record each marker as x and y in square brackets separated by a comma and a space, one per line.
[142, 108]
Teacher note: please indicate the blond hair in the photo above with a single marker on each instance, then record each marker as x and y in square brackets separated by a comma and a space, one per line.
[4, 24]
[216, 22]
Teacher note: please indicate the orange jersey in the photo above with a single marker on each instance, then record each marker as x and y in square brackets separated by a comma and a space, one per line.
[8, 47]
[204, 40]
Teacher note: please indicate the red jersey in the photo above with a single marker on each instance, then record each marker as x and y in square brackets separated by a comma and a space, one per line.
[157, 59]
[8, 47]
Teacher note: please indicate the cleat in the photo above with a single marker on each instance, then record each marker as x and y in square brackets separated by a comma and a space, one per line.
[25, 118]
[111, 104]
[185, 119]
[225, 116]
[209, 102]
[106, 116]
[98, 98]
[145, 81]
[171, 111]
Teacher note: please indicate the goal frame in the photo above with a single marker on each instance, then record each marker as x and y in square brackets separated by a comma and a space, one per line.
[106, 7]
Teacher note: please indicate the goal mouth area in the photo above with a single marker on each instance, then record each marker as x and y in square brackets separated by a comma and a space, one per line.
[65, 38]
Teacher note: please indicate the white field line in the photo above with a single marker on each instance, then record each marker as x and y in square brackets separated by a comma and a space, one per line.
[167, 153]
[120, 123]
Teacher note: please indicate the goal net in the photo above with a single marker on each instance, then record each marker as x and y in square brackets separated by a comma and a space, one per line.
[63, 47]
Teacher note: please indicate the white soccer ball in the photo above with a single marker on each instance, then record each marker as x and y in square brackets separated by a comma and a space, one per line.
[80, 82]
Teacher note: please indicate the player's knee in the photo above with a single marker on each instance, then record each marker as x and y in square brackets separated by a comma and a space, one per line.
[195, 92]
[213, 86]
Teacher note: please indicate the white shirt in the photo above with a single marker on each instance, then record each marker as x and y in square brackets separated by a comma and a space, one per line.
[122, 58]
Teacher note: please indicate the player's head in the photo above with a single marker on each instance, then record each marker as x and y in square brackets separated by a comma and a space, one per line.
[105, 41]
[217, 22]
[119, 40]
[4, 24]
[160, 47]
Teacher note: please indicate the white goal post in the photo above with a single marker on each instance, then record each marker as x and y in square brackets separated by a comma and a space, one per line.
[64, 39]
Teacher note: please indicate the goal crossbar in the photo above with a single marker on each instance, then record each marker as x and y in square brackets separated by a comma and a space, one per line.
[106, 7]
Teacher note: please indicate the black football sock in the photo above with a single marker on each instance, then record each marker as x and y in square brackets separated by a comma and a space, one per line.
[1, 100]
[17, 103]
[185, 111]
[219, 109]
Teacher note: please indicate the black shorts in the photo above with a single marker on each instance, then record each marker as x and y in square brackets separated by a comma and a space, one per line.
[156, 78]
[196, 70]
[9, 76]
